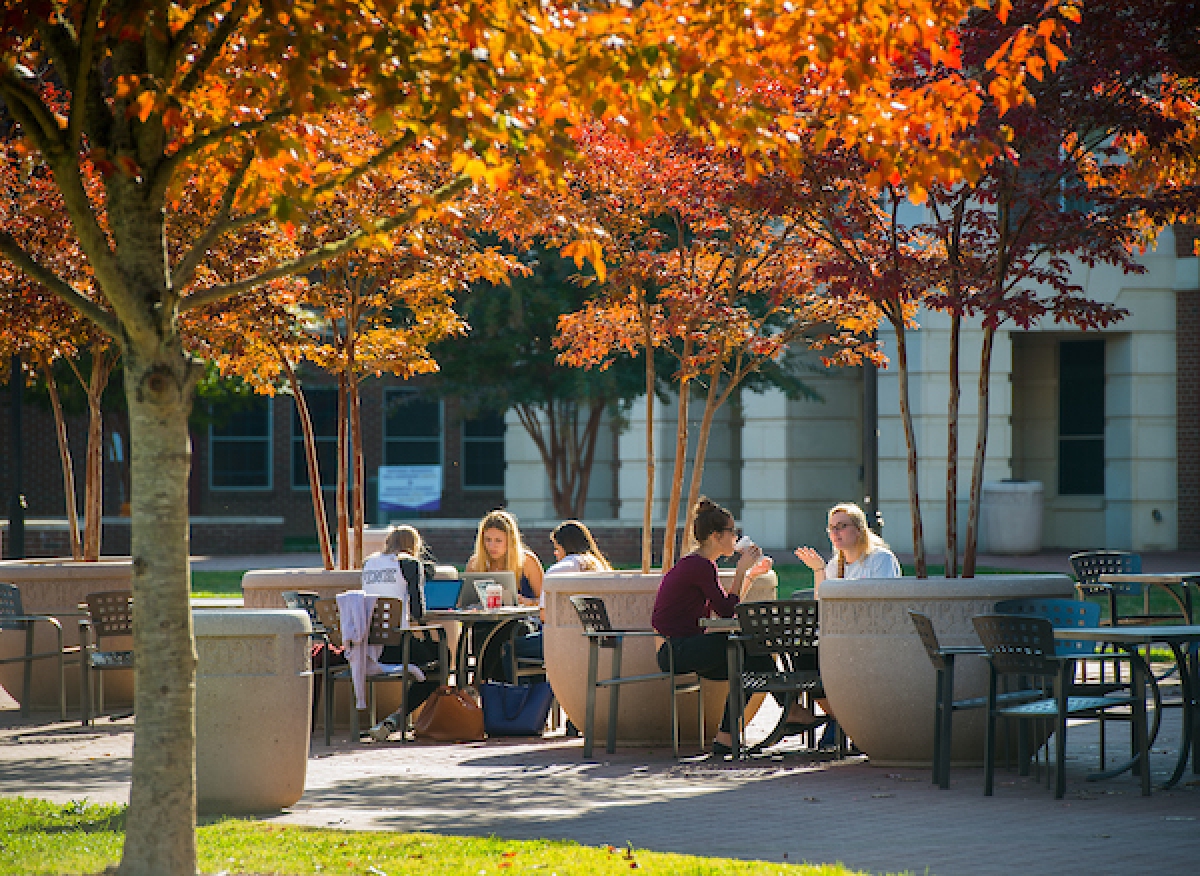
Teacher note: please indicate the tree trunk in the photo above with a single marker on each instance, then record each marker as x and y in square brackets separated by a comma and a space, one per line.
[711, 403]
[93, 481]
[567, 452]
[64, 457]
[951, 560]
[648, 505]
[681, 438]
[985, 374]
[310, 457]
[910, 440]
[359, 494]
[160, 824]
[342, 505]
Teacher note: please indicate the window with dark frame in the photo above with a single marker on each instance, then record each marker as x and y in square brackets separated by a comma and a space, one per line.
[239, 446]
[412, 428]
[1081, 418]
[483, 452]
[322, 410]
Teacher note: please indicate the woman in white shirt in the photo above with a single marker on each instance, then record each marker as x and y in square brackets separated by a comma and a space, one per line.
[857, 551]
[575, 550]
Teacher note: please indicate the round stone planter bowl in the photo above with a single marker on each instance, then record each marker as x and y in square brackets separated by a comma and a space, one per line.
[57, 586]
[877, 675]
[644, 715]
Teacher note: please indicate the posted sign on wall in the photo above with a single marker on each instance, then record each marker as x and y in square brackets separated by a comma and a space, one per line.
[410, 488]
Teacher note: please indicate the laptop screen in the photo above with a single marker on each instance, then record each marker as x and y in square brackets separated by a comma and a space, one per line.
[440, 595]
[470, 596]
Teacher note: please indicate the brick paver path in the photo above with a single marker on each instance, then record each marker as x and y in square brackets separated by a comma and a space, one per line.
[798, 807]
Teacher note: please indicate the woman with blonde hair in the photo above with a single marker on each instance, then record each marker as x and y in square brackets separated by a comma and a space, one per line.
[499, 548]
[857, 551]
[399, 572]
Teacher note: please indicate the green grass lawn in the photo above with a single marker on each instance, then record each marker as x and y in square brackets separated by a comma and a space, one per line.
[217, 583]
[38, 837]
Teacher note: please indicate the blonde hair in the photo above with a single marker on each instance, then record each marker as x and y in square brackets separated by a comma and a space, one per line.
[404, 539]
[859, 518]
[514, 551]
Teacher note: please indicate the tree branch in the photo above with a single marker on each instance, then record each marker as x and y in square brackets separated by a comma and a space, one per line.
[212, 48]
[16, 254]
[82, 73]
[186, 268]
[322, 253]
[167, 167]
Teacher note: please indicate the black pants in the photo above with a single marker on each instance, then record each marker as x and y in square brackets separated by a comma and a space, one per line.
[420, 652]
[706, 655]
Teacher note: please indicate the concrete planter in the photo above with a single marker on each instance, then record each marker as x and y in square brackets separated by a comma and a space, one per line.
[644, 717]
[1010, 517]
[57, 586]
[253, 689]
[878, 678]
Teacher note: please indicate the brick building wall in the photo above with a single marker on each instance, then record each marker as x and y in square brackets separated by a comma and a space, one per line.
[1187, 389]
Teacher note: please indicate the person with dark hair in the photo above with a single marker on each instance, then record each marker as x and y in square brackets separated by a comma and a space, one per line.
[400, 571]
[692, 590]
[575, 550]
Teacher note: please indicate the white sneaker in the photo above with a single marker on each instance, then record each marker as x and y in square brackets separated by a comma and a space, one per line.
[381, 731]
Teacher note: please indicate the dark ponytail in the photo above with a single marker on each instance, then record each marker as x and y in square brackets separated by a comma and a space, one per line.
[709, 518]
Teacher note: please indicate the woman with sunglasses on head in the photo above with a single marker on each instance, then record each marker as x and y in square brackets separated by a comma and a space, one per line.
[691, 590]
[857, 553]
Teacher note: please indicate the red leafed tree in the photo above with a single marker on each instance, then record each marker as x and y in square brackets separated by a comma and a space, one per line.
[219, 109]
[1055, 196]
[730, 263]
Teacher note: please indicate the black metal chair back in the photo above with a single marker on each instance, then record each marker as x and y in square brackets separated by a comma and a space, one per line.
[329, 619]
[111, 613]
[304, 600]
[928, 638]
[1088, 566]
[10, 608]
[1019, 644]
[594, 617]
[784, 629]
[1062, 613]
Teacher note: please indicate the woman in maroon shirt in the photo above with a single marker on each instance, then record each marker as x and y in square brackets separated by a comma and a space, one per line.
[691, 590]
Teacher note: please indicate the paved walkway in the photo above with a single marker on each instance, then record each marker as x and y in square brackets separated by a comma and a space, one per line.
[797, 807]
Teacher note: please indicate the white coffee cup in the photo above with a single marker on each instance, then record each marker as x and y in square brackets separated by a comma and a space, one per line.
[742, 543]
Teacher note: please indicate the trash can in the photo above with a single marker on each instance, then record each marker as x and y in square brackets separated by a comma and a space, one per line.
[253, 708]
[1010, 517]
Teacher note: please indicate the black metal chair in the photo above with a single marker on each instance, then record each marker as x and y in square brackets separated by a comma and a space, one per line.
[306, 600]
[600, 633]
[13, 618]
[944, 704]
[1065, 613]
[783, 634]
[1088, 566]
[1024, 646]
[109, 614]
[385, 630]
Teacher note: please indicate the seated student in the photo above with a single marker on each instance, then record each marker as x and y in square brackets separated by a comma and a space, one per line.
[395, 572]
[575, 550]
[692, 590]
[857, 553]
[498, 548]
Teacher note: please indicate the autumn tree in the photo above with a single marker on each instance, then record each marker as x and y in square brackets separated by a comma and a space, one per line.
[218, 108]
[1055, 195]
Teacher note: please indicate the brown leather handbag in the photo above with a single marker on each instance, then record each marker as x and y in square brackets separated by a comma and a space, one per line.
[450, 715]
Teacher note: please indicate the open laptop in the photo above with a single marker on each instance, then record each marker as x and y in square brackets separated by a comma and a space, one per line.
[475, 584]
[442, 594]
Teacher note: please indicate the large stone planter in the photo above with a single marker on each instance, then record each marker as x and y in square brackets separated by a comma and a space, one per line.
[253, 690]
[644, 717]
[57, 586]
[877, 675]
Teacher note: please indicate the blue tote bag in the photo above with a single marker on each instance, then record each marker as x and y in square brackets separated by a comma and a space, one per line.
[515, 709]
